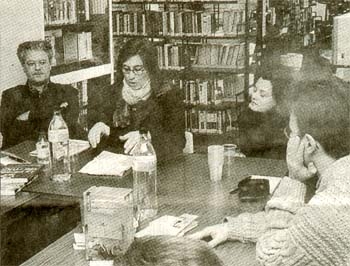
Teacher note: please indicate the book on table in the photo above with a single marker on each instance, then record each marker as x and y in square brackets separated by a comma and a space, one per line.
[13, 177]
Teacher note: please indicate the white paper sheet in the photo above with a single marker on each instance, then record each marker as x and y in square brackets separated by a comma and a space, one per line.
[170, 225]
[76, 146]
[108, 163]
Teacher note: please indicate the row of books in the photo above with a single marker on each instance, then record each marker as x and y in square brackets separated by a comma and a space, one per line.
[60, 12]
[179, 23]
[221, 55]
[15, 176]
[69, 47]
[210, 121]
[82, 88]
[172, 56]
[214, 91]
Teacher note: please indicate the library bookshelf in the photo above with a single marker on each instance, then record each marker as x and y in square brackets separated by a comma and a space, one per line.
[79, 32]
[202, 48]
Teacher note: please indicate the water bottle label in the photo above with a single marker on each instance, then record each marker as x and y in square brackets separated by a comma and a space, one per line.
[58, 135]
[144, 163]
[43, 152]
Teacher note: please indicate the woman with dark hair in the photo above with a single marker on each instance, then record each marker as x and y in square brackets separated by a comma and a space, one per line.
[170, 251]
[263, 121]
[139, 100]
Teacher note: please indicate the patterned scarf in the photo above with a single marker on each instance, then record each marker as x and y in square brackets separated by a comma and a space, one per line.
[132, 97]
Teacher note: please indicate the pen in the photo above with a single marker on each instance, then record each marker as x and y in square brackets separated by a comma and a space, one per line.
[14, 157]
[234, 191]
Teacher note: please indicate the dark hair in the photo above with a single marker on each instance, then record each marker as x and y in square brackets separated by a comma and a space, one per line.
[281, 82]
[40, 45]
[148, 53]
[322, 110]
[170, 251]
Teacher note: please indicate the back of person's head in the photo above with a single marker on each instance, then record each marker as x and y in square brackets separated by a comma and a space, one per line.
[170, 251]
[322, 111]
[146, 50]
[39, 45]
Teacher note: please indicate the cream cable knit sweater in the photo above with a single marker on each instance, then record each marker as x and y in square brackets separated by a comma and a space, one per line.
[290, 232]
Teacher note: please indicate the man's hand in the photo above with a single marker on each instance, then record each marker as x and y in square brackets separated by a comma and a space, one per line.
[95, 133]
[23, 117]
[219, 234]
[295, 160]
[131, 139]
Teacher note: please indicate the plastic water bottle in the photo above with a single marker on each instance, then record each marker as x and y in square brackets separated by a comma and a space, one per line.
[59, 145]
[144, 179]
[43, 153]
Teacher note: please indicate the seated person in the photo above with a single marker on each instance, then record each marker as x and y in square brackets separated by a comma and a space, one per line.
[28, 109]
[290, 231]
[138, 100]
[170, 251]
[261, 123]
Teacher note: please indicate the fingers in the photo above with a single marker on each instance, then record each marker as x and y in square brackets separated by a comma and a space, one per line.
[216, 241]
[131, 138]
[129, 145]
[96, 132]
[201, 234]
[94, 137]
[126, 136]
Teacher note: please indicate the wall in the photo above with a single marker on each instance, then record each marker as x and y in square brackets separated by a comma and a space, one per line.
[19, 21]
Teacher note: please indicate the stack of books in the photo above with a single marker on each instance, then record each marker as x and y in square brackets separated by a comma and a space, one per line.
[15, 176]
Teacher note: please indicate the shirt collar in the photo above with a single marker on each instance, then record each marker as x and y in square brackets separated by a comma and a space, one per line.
[34, 91]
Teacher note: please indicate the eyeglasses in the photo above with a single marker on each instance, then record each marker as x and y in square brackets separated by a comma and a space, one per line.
[137, 70]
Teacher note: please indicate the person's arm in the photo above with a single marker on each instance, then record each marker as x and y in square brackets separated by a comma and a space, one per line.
[248, 227]
[169, 138]
[8, 115]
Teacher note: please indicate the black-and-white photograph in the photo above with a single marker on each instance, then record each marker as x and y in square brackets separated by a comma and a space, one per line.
[175, 132]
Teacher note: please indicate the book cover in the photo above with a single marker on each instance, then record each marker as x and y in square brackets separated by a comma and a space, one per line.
[19, 173]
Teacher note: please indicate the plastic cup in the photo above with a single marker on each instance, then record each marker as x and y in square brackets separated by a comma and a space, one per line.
[215, 161]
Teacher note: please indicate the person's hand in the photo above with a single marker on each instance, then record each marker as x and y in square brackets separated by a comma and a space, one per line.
[23, 117]
[219, 234]
[131, 139]
[95, 133]
[295, 160]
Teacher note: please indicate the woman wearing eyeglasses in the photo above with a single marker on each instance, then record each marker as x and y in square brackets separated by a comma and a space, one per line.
[138, 100]
[262, 123]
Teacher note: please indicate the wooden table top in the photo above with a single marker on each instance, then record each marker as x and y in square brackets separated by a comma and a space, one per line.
[184, 187]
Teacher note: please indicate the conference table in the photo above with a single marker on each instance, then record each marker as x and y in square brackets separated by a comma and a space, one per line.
[184, 186]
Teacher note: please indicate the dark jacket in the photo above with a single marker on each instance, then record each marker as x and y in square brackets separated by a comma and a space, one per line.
[20, 99]
[162, 114]
[261, 134]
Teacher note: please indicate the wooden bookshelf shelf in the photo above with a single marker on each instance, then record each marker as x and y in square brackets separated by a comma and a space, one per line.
[64, 68]
[175, 2]
[76, 27]
[219, 106]
[217, 68]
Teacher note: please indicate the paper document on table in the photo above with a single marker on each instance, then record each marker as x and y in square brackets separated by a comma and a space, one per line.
[108, 163]
[76, 146]
[273, 181]
[170, 225]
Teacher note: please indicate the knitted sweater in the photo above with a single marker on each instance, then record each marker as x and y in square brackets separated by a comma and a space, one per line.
[291, 232]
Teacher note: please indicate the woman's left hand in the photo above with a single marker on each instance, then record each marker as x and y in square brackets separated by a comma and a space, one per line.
[131, 139]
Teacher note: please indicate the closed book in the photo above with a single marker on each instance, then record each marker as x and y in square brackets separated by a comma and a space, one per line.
[19, 173]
